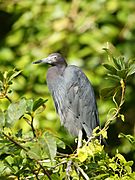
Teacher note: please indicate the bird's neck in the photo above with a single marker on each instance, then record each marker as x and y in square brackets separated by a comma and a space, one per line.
[61, 68]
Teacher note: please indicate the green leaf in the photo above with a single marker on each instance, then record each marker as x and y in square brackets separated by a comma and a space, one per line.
[12, 74]
[129, 137]
[116, 63]
[38, 103]
[15, 111]
[19, 133]
[1, 76]
[82, 154]
[29, 105]
[121, 158]
[108, 92]
[60, 143]
[110, 68]
[131, 70]
[2, 119]
[49, 145]
[122, 117]
[35, 150]
[113, 166]
[114, 77]
[122, 73]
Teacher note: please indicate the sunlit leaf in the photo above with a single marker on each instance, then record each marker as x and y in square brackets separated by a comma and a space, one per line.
[131, 70]
[49, 145]
[121, 158]
[113, 77]
[82, 154]
[15, 111]
[60, 143]
[129, 137]
[29, 104]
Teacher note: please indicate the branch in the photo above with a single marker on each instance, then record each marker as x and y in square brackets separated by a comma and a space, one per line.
[84, 175]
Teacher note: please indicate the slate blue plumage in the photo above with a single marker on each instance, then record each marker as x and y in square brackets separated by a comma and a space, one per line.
[73, 95]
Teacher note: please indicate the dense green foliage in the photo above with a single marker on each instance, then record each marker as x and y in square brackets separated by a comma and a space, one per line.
[80, 30]
[34, 154]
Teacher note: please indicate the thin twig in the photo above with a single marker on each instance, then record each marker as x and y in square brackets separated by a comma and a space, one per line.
[84, 175]
[15, 142]
[62, 154]
[32, 127]
[44, 170]
[8, 99]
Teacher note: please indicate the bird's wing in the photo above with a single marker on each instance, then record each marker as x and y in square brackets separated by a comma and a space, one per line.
[80, 100]
[75, 101]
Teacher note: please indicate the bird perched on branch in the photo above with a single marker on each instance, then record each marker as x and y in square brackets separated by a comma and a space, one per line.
[72, 94]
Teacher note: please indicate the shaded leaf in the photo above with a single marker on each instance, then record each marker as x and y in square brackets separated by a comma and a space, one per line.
[122, 73]
[2, 119]
[1, 76]
[108, 92]
[13, 74]
[19, 133]
[116, 63]
[38, 103]
[110, 68]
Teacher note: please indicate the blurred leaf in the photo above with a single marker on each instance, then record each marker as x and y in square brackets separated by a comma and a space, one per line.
[131, 70]
[29, 104]
[60, 143]
[12, 74]
[2, 119]
[117, 63]
[122, 117]
[19, 134]
[114, 77]
[110, 68]
[1, 76]
[108, 92]
[122, 73]
[38, 103]
[129, 137]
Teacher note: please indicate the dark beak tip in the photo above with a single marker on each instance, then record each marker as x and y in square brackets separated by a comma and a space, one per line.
[37, 62]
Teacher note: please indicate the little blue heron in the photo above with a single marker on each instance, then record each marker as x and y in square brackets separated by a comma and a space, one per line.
[72, 94]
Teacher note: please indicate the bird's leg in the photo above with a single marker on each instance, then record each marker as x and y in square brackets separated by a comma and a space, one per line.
[79, 139]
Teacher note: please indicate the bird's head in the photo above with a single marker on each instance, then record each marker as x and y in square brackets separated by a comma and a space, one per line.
[54, 59]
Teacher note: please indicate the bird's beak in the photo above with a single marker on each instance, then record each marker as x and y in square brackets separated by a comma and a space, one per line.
[45, 60]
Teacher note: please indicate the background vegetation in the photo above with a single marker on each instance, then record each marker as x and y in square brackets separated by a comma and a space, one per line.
[31, 30]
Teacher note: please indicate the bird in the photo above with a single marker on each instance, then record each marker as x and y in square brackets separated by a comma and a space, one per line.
[73, 95]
